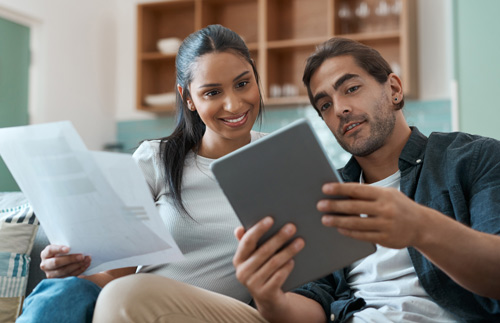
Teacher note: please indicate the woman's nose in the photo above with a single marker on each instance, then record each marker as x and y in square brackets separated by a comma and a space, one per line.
[232, 103]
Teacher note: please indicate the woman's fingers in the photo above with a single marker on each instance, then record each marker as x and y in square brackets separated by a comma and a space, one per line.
[57, 263]
[72, 269]
[53, 250]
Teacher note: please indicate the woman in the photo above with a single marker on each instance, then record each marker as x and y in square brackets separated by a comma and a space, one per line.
[218, 102]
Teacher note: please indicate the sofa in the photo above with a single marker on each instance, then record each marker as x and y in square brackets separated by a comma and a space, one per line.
[21, 241]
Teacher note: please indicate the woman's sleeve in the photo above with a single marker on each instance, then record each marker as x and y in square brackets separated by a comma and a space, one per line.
[147, 158]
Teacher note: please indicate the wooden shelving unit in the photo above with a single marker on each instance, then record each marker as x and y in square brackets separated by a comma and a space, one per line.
[280, 34]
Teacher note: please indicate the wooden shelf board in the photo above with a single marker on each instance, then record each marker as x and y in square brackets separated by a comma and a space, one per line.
[167, 109]
[171, 4]
[156, 56]
[382, 35]
[290, 43]
[287, 100]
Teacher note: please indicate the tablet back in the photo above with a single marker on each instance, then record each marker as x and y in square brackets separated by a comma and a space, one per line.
[281, 175]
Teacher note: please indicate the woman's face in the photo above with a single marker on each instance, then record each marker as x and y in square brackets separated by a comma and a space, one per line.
[226, 96]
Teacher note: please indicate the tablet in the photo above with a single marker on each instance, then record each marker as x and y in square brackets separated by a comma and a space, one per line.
[281, 175]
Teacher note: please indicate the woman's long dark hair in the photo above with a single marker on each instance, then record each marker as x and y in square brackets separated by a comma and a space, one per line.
[190, 128]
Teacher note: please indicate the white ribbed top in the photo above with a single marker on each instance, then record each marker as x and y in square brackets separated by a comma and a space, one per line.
[206, 239]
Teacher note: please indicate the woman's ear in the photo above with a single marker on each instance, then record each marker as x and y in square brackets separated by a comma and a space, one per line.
[189, 102]
[396, 88]
[179, 88]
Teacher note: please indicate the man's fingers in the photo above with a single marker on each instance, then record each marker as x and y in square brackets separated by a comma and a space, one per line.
[352, 190]
[273, 271]
[239, 232]
[352, 222]
[279, 277]
[265, 254]
[354, 207]
[248, 241]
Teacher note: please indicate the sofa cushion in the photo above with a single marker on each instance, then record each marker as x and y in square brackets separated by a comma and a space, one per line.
[18, 228]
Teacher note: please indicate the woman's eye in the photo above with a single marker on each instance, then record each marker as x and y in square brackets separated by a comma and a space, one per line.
[212, 93]
[325, 106]
[242, 84]
[352, 89]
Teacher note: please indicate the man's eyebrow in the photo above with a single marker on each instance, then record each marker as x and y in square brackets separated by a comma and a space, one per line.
[342, 79]
[219, 84]
[336, 86]
[318, 97]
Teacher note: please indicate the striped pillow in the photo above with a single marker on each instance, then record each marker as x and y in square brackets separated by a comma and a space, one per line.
[18, 227]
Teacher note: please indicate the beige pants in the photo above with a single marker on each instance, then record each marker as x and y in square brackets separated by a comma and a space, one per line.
[152, 298]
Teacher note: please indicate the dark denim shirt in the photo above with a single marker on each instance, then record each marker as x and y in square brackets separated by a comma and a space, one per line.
[455, 173]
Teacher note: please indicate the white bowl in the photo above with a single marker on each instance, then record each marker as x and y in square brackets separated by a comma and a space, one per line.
[169, 45]
[163, 99]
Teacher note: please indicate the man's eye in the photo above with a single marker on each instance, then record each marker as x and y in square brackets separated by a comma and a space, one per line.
[325, 106]
[242, 84]
[352, 89]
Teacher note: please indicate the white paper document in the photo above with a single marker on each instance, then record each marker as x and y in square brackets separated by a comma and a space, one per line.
[97, 203]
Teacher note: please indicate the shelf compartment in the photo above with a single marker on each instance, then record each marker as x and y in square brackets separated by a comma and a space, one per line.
[362, 16]
[159, 20]
[389, 49]
[297, 19]
[285, 67]
[158, 76]
[237, 15]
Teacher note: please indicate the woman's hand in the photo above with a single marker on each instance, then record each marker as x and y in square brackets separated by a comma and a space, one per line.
[57, 263]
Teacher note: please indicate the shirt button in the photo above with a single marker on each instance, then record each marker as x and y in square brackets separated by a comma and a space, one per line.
[418, 161]
[332, 317]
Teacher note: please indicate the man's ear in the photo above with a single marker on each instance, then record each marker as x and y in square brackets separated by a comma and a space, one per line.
[396, 88]
[188, 100]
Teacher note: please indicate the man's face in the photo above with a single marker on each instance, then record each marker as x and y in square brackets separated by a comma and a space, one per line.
[357, 109]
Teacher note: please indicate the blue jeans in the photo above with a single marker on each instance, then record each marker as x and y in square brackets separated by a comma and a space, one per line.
[65, 300]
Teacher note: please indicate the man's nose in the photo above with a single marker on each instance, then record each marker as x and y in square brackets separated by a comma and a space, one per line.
[341, 107]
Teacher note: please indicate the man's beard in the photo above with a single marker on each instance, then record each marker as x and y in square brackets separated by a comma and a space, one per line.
[381, 127]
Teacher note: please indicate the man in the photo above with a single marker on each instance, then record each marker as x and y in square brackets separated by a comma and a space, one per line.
[431, 205]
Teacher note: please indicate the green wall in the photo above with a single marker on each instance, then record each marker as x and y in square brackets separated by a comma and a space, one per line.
[477, 65]
[14, 74]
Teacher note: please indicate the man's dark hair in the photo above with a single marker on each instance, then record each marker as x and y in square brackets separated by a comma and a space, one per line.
[365, 57]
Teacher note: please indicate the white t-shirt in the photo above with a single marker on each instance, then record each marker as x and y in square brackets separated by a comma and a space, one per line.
[388, 283]
[206, 239]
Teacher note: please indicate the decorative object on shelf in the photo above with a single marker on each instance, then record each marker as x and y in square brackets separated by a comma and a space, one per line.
[285, 90]
[158, 100]
[382, 11]
[274, 91]
[395, 13]
[363, 14]
[396, 68]
[169, 45]
[345, 16]
[289, 89]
